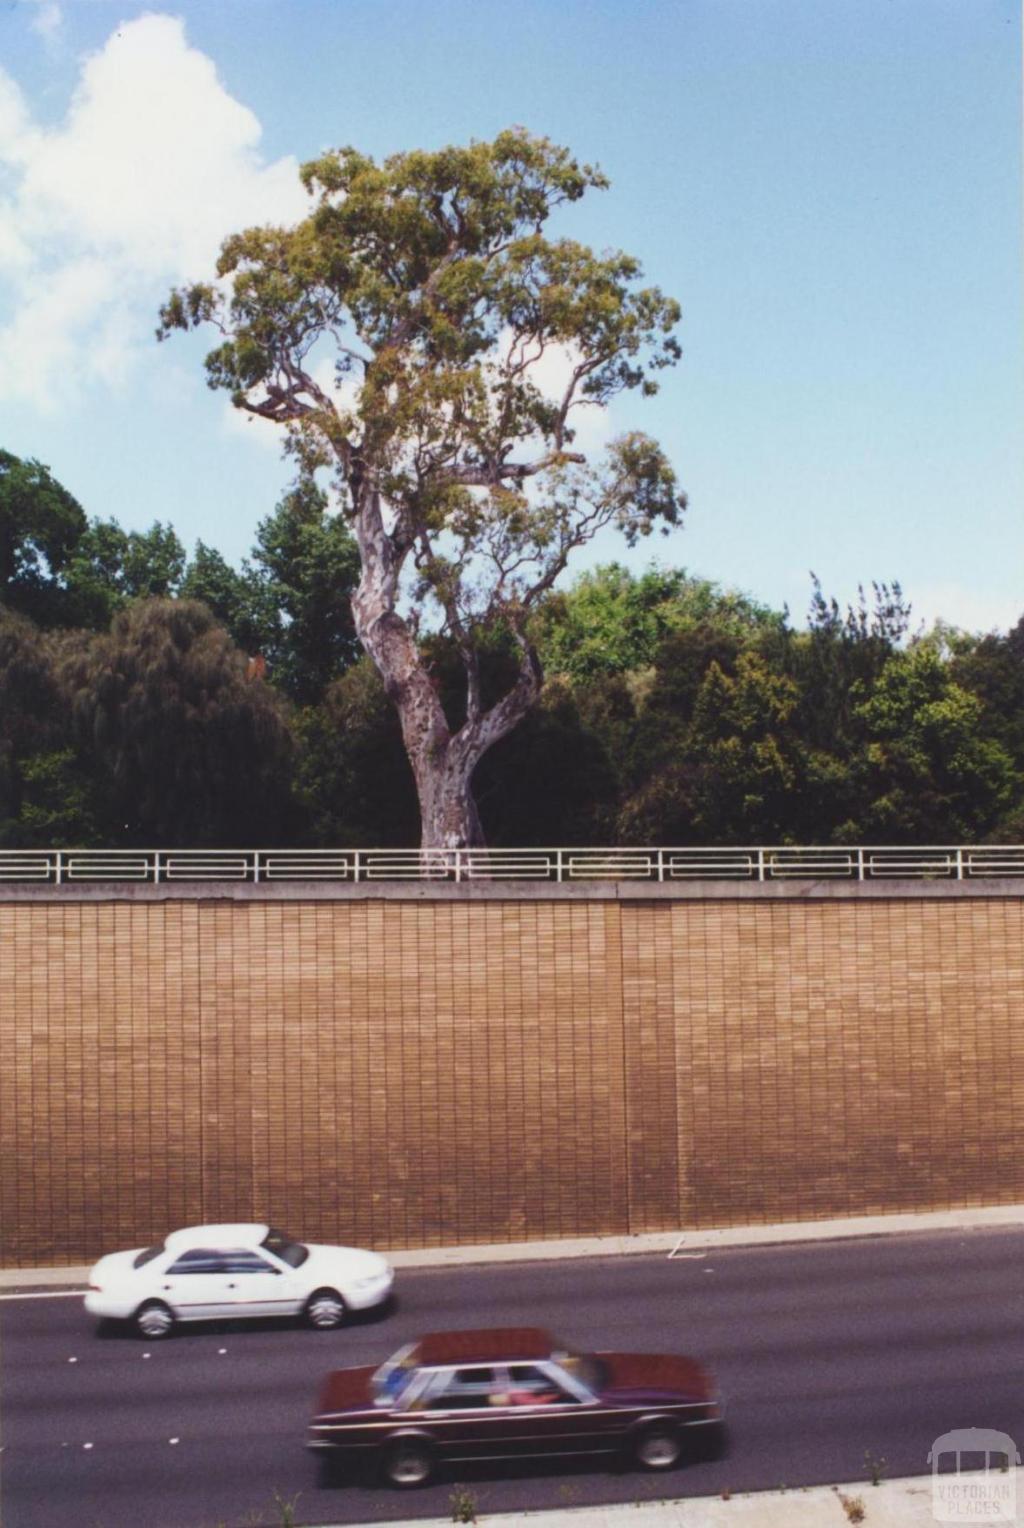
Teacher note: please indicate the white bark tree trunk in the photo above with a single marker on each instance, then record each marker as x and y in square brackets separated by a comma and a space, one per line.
[442, 762]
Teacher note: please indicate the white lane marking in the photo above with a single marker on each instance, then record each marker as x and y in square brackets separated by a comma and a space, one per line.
[49, 1294]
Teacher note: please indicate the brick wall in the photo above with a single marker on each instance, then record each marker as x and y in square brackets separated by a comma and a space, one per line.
[411, 1073]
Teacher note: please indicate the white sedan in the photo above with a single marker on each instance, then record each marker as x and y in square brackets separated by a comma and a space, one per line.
[205, 1273]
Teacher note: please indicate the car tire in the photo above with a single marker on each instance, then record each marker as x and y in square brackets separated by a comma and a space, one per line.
[325, 1310]
[658, 1446]
[408, 1463]
[154, 1321]
[328, 1470]
[710, 1442]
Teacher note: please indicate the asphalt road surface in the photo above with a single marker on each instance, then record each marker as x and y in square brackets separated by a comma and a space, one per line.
[825, 1353]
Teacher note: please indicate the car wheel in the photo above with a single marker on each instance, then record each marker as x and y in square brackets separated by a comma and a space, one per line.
[154, 1321]
[328, 1470]
[658, 1447]
[325, 1310]
[408, 1464]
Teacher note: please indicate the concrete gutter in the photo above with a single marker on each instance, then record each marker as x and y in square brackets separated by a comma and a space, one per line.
[682, 1244]
[905, 1503]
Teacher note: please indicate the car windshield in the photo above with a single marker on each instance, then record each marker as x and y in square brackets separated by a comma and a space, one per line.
[291, 1252]
[147, 1255]
[393, 1375]
[585, 1367]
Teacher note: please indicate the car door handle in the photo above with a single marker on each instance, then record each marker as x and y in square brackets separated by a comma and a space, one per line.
[232, 1286]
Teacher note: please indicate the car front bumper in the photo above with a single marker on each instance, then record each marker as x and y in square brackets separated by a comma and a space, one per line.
[103, 1303]
[370, 1292]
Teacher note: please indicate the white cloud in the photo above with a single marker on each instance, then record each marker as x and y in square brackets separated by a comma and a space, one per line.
[153, 166]
[48, 18]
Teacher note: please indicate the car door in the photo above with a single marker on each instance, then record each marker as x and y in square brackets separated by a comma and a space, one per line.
[253, 1286]
[194, 1284]
[548, 1413]
[458, 1411]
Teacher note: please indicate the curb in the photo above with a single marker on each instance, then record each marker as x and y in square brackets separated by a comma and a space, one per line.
[665, 1244]
[908, 1502]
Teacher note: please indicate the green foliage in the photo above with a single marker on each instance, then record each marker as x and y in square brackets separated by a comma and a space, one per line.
[185, 747]
[463, 1504]
[40, 524]
[676, 712]
[47, 795]
[431, 281]
[110, 566]
[353, 777]
[551, 781]
[240, 601]
[928, 769]
[611, 622]
[309, 566]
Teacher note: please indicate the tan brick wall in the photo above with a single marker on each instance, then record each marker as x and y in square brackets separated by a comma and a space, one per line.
[430, 1072]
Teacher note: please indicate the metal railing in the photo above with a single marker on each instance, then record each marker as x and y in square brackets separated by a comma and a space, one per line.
[60, 867]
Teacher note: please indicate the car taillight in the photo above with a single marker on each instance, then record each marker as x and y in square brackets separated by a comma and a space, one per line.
[97, 1287]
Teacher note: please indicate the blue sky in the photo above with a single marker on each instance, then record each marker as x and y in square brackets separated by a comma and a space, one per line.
[831, 188]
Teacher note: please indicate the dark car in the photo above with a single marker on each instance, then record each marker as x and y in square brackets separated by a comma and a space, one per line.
[510, 1394]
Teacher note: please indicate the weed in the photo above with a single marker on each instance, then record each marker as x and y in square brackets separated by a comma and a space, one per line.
[853, 1506]
[876, 1467]
[286, 1507]
[463, 1505]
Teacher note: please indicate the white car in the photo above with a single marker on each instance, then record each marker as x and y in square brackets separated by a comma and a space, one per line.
[205, 1273]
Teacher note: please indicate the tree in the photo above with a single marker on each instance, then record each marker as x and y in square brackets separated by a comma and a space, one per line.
[308, 566]
[40, 525]
[353, 774]
[432, 281]
[611, 622]
[46, 794]
[186, 747]
[239, 601]
[110, 566]
[931, 770]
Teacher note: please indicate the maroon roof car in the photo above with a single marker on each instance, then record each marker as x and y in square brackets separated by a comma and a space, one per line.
[512, 1393]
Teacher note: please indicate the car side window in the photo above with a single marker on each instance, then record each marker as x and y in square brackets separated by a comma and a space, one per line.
[530, 1386]
[242, 1260]
[199, 1260]
[464, 1390]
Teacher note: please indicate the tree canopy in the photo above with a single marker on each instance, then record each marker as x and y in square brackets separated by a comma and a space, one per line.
[446, 309]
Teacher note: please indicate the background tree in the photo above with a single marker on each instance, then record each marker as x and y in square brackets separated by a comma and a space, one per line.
[184, 746]
[46, 793]
[40, 524]
[930, 771]
[237, 599]
[110, 566]
[433, 284]
[354, 779]
[613, 622]
[308, 565]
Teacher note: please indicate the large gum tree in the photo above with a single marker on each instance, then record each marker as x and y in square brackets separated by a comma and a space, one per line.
[466, 343]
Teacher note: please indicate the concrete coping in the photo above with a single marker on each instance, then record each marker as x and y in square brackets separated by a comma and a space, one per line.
[697, 890]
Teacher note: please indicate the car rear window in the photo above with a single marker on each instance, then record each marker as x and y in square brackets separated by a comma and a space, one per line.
[142, 1258]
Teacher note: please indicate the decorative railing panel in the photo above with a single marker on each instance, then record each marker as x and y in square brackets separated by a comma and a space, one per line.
[57, 867]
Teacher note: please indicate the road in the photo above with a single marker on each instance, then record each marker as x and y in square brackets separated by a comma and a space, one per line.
[826, 1352]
